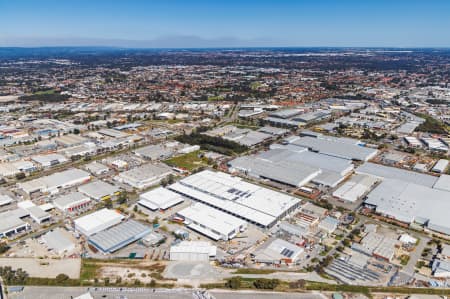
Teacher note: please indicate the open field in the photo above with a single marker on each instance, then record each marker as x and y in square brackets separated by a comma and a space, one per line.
[189, 161]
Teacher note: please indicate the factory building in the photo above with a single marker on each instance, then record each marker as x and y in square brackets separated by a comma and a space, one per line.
[211, 222]
[255, 204]
[97, 221]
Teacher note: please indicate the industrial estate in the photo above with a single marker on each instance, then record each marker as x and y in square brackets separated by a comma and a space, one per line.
[171, 173]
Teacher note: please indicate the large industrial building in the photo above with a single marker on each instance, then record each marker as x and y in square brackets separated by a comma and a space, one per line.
[119, 236]
[211, 222]
[294, 166]
[54, 182]
[97, 221]
[253, 203]
[145, 176]
[409, 197]
[345, 148]
[160, 199]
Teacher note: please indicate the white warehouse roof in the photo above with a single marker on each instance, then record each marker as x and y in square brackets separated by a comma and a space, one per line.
[160, 198]
[336, 147]
[410, 202]
[97, 221]
[235, 196]
[212, 222]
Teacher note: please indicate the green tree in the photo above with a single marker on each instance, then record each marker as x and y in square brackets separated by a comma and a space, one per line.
[234, 282]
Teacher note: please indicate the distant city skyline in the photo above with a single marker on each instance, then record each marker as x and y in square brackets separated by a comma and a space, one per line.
[231, 23]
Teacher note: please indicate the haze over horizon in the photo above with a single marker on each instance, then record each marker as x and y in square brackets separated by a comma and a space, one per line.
[199, 23]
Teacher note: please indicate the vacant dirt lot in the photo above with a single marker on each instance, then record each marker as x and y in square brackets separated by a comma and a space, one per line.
[45, 268]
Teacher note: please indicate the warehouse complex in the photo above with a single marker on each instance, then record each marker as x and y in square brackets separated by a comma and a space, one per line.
[409, 197]
[255, 204]
[345, 148]
[294, 166]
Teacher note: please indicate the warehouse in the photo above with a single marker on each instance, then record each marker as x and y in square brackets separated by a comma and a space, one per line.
[412, 203]
[160, 199]
[387, 172]
[70, 140]
[291, 173]
[192, 251]
[443, 183]
[49, 160]
[8, 170]
[38, 214]
[441, 268]
[145, 176]
[313, 116]
[294, 166]
[119, 236]
[56, 181]
[277, 251]
[155, 152]
[345, 148]
[72, 202]
[355, 188]
[255, 204]
[440, 166]
[112, 133]
[5, 200]
[11, 225]
[377, 245]
[89, 148]
[97, 168]
[211, 222]
[97, 221]
[99, 190]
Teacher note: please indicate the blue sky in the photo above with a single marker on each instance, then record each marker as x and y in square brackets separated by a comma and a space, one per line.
[216, 23]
